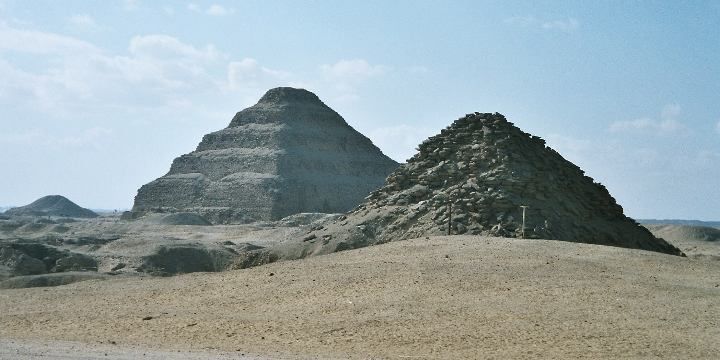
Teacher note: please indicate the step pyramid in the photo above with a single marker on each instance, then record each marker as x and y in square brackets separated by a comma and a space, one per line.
[289, 153]
[475, 177]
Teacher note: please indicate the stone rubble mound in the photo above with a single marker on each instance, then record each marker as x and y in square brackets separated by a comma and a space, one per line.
[290, 153]
[475, 175]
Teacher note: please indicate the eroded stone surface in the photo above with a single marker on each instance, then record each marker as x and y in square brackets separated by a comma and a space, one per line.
[478, 172]
[289, 153]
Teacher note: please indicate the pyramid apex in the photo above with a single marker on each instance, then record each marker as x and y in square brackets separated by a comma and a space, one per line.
[288, 94]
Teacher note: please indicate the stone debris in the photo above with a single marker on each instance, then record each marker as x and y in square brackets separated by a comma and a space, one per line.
[474, 177]
[288, 154]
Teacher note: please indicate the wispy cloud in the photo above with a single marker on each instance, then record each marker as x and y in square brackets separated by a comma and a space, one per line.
[130, 5]
[353, 70]
[84, 21]
[567, 25]
[213, 10]
[667, 124]
[248, 73]
[218, 10]
[157, 69]
[92, 137]
[155, 73]
[38, 42]
[167, 47]
[345, 76]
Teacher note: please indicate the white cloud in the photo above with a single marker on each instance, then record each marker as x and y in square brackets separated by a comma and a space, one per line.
[158, 69]
[353, 70]
[38, 42]
[218, 10]
[248, 73]
[131, 5]
[91, 137]
[668, 124]
[345, 76]
[565, 25]
[524, 21]
[83, 21]
[167, 47]
[717, 127]
[212, 10]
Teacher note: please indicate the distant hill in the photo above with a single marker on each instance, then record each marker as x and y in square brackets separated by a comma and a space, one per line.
[52, 205]
[685, 233]
[679, 222]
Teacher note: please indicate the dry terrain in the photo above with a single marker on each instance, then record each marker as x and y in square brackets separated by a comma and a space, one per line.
[439, 297]
[695, 241]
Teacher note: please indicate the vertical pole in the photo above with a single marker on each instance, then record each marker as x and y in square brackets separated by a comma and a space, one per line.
[449, 209]
[523, 221]
[449, 217]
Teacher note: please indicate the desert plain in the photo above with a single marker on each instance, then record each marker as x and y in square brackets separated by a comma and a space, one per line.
[427, 298]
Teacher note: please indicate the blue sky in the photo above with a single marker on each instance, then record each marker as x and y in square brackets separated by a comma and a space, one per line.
[98, 97]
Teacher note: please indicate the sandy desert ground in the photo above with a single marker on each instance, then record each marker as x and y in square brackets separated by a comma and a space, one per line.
[440, 297]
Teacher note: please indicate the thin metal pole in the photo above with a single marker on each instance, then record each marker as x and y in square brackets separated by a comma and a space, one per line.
[449, 209]
[449, 216]
[523, 221]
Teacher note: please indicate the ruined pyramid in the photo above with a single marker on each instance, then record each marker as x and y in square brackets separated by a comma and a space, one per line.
[287, 154]
[52, 205]
[476, 175]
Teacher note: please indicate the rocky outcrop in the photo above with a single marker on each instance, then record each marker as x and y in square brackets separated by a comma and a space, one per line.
[290, 153]
[44, 280]
[475, 177]
[187, 258]
[52, 205]
[26, 257]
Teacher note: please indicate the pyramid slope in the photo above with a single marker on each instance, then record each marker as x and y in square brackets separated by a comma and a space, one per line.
[478, 172]
[52, 205]
[289, 153]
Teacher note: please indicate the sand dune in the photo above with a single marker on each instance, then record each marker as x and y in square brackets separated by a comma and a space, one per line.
[695, 241]
[443, 297]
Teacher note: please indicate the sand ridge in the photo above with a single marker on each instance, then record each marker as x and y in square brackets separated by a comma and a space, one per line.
[439, 297]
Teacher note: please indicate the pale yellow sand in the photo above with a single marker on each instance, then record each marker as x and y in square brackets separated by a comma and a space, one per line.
[447, 297]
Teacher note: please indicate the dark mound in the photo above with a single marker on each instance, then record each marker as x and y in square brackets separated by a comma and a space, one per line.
[20, 258]
[52, 205]
[44, 280]
[183, 219]
[475, 176]
[186, 258]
